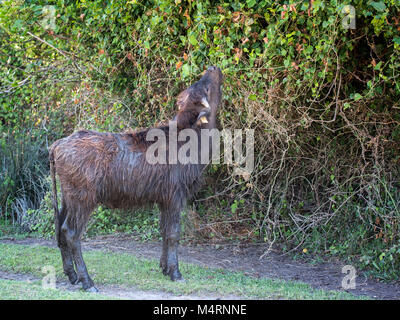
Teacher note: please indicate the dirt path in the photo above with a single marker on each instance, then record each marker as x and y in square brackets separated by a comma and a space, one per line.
[327, 276]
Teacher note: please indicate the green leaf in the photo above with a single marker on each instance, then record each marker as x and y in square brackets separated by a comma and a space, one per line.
[378, 65]
[309, 50]
[234, 207]
[379, 6]
[251, 3]
[357, 96]
[286, 62]
[185, 70]
[192, 39]
[18, 23]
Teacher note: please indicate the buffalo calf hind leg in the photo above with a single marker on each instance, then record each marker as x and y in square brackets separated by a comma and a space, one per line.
[83, 276]
[67, 261]
[66, 255]
[74, 243]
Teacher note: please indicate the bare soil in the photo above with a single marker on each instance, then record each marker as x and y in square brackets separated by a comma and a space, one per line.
[245, 258]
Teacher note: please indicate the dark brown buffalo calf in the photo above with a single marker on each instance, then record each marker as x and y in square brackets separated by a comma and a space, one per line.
[111, 169]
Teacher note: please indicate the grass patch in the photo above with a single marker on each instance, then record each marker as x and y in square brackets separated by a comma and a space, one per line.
[129, 271]
[21, 290]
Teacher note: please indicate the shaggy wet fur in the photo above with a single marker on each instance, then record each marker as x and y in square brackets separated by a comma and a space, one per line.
[111, 169]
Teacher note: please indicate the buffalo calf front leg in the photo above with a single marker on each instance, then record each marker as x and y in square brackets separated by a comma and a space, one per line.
[170, 231]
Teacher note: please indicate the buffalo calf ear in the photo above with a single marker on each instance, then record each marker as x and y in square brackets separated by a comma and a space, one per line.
[182, 97]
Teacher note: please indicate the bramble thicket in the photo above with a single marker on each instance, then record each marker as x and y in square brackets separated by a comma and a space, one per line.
[321, 94]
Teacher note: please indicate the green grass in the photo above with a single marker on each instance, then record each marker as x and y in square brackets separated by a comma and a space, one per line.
[128, 271]
[20, 290]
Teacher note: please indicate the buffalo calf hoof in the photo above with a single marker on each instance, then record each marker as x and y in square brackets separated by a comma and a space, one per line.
[92, 289]
[176, 276]
[164, 268]
[73, 278]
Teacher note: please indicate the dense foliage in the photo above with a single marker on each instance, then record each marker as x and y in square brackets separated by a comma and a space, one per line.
[322, 98]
